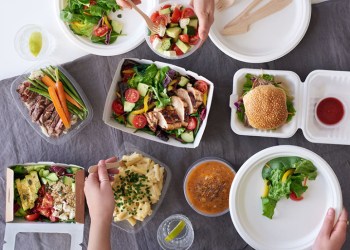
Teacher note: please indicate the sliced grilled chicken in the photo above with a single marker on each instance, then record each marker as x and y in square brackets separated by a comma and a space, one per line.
[152, 120]
[179, 107]
[198, 96]
[168, 119]
[183, 94]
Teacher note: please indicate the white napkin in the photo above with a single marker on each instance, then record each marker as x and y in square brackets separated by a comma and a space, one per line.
[317, 1]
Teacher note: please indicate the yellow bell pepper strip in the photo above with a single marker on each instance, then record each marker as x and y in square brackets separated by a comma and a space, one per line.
[145, 108]
[266, 189]
[105, 20]
[287, 173]
[145, 103]
[205, 98]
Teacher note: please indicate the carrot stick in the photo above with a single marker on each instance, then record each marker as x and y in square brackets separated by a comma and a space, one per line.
[58, 107]
[62, 97]
[48, 82]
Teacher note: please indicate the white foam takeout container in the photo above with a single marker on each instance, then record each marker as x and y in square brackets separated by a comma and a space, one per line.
[318, 85]
[284, 230]
[16, 225]
[108, 113]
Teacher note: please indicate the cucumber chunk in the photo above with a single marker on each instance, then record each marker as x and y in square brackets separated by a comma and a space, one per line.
[187, 136]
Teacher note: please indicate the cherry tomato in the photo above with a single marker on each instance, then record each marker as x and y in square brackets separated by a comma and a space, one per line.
[153, 37]
[192, 123]
[177, 50]
[294, 197]
[45, 211]
[176, 16]
[132, 95]
[53, 218]
[154, 16]
[47, 201]
[117, 107]
[202, 86]
[161, 20]
[101, 31]
[139, 121]
[32, 217]
[166, 6]
[188, 13]
[185, 38]
[194, 39]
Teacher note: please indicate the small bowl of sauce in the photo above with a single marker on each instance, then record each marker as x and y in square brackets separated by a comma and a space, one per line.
[207, 186]
[330, 112]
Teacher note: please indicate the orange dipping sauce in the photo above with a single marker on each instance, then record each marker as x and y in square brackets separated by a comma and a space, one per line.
[208, 186]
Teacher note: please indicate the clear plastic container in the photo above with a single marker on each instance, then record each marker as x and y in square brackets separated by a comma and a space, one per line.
[22, 42]
[194, 166]
[76, 128]
[193, 47]
[125, 225]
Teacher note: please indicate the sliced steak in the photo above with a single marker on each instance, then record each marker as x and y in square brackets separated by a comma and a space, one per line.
[46, 113]
[39, 108]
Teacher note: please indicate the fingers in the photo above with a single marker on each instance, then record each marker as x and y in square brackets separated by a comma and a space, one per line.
[112, 171]
[341, 225]
[112, 159]
[328, 223]
[123, 4]
[102, 173]
[205, 19]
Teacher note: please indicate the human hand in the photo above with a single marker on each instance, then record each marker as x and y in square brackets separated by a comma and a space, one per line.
[125, 4]
[204, 10]
[99, 194]
[332, 237]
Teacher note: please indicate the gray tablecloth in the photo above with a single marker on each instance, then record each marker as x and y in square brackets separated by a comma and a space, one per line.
[326, 45]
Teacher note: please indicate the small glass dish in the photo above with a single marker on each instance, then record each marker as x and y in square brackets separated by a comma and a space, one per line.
[125, 225]
[75, 129]
[193, 48]
[330, 112]
[210, 180]
[22, 42]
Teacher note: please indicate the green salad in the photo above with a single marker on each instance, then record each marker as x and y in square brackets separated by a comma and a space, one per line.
[89, 18]
[285, 177]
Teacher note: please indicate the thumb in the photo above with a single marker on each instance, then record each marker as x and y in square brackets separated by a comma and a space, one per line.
[102, 173]
[328, 223]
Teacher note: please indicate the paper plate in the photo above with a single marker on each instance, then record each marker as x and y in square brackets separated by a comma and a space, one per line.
[295, 225]
[268, 39]
[133, 26]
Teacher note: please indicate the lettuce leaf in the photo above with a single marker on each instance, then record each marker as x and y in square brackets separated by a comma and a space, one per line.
[269, 206]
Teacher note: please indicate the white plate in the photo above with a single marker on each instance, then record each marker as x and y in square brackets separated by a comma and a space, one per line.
[133, 26]
[267, 39]
[295, 225]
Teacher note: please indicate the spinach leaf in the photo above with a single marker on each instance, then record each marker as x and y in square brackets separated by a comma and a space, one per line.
[297, 185]
[268, 206]
[282, 163]
[306, 168]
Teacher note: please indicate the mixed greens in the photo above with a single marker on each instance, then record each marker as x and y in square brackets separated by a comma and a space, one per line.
[160, 101]
[285, 177]
[89, 18]
[253, 81]
[45, 193]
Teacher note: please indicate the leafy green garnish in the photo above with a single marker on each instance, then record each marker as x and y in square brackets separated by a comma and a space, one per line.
[268, 207]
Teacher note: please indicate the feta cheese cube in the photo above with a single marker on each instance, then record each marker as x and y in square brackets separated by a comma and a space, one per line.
[71, 214]
[184, 22]
[170, 53]
[157, 43]
[63, 217]
[162, 30]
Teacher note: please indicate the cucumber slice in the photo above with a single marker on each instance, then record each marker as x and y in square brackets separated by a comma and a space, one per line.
[68, 180]
[187, 136]
[189, 30]
[165, 11]
[193, 23]
[183, 46]
[128, 106]
[52, 177]
[129, 119]
[166, 44]
[117, 26]
[142, 88]
[183, 81]
[43, 180]
[173, 32]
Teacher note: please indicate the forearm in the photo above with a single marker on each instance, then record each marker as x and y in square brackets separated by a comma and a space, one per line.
[99, 236]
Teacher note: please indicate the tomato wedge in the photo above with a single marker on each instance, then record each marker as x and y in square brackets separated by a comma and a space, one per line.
[188, 13]
[294, 197]
[185, 38]
[177, 50]
[176, 16]
[139, 121]
[154, 16]
[117, 107]
[132, 95]
[32, 217]
[101, 31]
[161, 20]
[194, 39]
[202, 86]
[192, 123]
[165, 6]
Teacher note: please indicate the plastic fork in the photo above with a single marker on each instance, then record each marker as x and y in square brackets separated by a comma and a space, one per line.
[151, 26]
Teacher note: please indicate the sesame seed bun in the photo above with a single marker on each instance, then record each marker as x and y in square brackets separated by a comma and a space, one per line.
[266, 107]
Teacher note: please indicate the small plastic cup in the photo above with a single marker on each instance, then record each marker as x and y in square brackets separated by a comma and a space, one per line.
[186, 180]
[337, 104]
[22, 42]
[193, 47]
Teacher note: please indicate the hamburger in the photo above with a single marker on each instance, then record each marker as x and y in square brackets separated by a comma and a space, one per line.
[264, 104]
